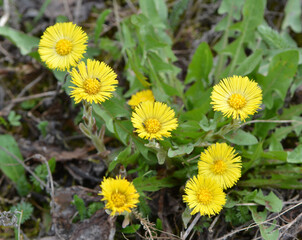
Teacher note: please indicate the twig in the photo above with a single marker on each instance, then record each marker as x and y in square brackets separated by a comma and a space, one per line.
[270, 121]
[189, 229]
[5, 16]
[287, 226]
[39, 95]
[255, 224]
[30, 85]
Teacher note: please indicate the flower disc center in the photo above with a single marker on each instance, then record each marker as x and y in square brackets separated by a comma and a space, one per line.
[118, 199]
[219, 167]
[92, 86]
[237, 101]
[63, 47]
[152, 125]
[204, 196]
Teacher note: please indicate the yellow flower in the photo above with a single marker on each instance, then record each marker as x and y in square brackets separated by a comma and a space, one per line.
[153, 120]
[142, 96]
[119, 194]
[204, 195]
[220, 162]
[237, 97]
[62, 45]
[94, 82]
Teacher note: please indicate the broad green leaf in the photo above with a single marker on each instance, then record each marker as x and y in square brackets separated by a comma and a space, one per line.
[293, 16]
[295, 156]
[292, 111]
[232, 7]
[131, 229]
[99, 24]
[281, 70]
[267, 232]
[8, 165]
[271, 201]
[201, 65]
[240, 137]
[253, 12]
[152, 184]
[249, 64]
[24, 42]
[180, 150]
[101, 113]
[123, 128]
[207, 125]
[120, 158]
[154, 9]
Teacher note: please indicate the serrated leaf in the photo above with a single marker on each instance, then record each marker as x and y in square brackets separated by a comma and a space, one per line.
[200, 65]
[273, 39]
[241, 137]
[23, 41]
[24, 207]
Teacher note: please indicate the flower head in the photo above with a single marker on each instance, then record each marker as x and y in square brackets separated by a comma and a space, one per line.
[220, 162]
[237, 97]
[142, 96]
[119, 195]
[153, 120]
[93, 83]
[62, 45]
[204, 195]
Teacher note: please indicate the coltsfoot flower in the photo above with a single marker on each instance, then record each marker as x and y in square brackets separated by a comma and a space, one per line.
[93, 82]
[153, 120]
[62, 45]
[141, 96]
[204, 195]
[219, 161]
[236, 96]
[119, 194]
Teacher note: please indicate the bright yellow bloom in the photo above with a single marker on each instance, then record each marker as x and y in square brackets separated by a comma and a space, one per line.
[237, 97]
[204, 195]
[220, 162]
[62, 45]
[94, 82]
[153, 120]
[142, 96]
[119, 194]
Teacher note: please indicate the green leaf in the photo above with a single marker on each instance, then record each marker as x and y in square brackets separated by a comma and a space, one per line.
[200, 65]
[99, 24]
[232, 7]
[178, 151]
[273, 39]
[24, 207]
[23, 41]
[131, 229]
[186, 216]
[14, 119]
[249, 64]
[93, 207]
[293, 16]
[120, 158]
[80, 206]
[152, 184]
[9, 166]
[155, 10]
[267, 232]
[281, 71]
[177, 11]
[240, 137]
[271, 201]
[42, 126]
[295, 156]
